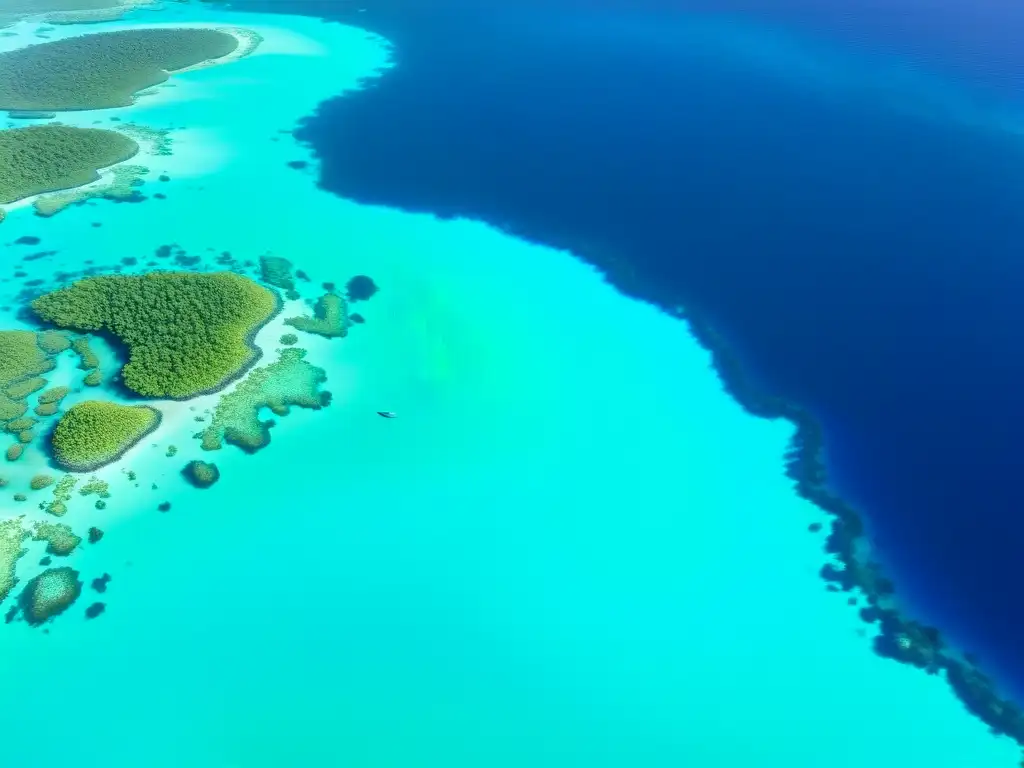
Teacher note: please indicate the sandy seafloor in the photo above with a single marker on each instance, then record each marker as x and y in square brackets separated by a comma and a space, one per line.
[571, 548]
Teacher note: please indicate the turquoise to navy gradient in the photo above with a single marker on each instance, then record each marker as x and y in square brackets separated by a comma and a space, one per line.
[865, 264]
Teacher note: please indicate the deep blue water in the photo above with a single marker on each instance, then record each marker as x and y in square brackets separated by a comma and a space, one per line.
[865, 264]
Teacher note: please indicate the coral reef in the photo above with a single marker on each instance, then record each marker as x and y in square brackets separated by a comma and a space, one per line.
[277, 272]
[328, 318]
[61, 540]
[61, 494]
[201, 474]
[49, 594]
[19, 425]
[95, 534]
[93, 433]
[49, 158]
[95, 610]
[187, 333]
[38, 482]
[12, 538]
[102, 70]
[360, 288]
[87, 359]
[288, 339]
[289, 381]
[46, 409]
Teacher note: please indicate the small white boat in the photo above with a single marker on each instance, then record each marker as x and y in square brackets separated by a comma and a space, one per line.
[387, 414]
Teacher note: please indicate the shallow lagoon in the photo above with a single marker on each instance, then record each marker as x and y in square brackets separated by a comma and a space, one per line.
[570, 547]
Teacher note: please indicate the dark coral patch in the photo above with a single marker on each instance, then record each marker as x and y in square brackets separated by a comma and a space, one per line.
[360, 288]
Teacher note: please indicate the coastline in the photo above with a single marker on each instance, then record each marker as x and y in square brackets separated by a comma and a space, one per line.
[248, 41]
[97, 172]
[249, 340]
[901, 638]
[117, 456]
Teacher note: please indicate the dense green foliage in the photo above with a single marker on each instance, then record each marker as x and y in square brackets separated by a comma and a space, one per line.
[22, 389]
[102, 70]
[186, 332]
[94, 433]
[93, 378]
[87, 359]
[328, 318]
[46, 158]
[288, 339]
[21, 359]
[288, 381]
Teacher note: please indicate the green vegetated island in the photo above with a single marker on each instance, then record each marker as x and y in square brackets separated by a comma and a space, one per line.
[49, 158]
[94, 433]
[184, 334]
[102, 70]
[66, 11]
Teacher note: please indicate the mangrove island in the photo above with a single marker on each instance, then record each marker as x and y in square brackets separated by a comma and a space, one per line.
[95, 433]
[187, 333]
[102, 70]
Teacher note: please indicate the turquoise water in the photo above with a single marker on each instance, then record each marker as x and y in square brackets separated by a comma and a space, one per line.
[571, 548]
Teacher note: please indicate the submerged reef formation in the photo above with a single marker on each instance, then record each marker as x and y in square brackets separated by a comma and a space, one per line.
[87, 359]
[277, 271]
[289, 381]
[360, 288]
[102, 70]
[187, 333]
[61, 494]
[54, 342]
[60, 539]
[94, 433]
[12, 549]
[900, 637]
[119, 185]
[47, 158]
[50, 593]
[328, 318]
[201, 474]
